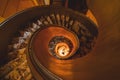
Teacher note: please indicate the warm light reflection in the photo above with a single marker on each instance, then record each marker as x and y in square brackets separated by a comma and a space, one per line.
[62, 49]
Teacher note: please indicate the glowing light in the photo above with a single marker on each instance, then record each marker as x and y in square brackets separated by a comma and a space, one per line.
[62, 49]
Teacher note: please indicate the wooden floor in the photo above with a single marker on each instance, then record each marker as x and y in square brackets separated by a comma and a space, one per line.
[10, 7]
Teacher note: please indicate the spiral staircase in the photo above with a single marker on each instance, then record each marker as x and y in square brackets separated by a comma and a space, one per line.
[96, 58]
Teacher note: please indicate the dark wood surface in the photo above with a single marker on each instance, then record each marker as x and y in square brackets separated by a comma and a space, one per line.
[105, 62]
[10, 7]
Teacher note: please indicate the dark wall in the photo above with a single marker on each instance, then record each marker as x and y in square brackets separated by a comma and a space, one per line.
[107, 13]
